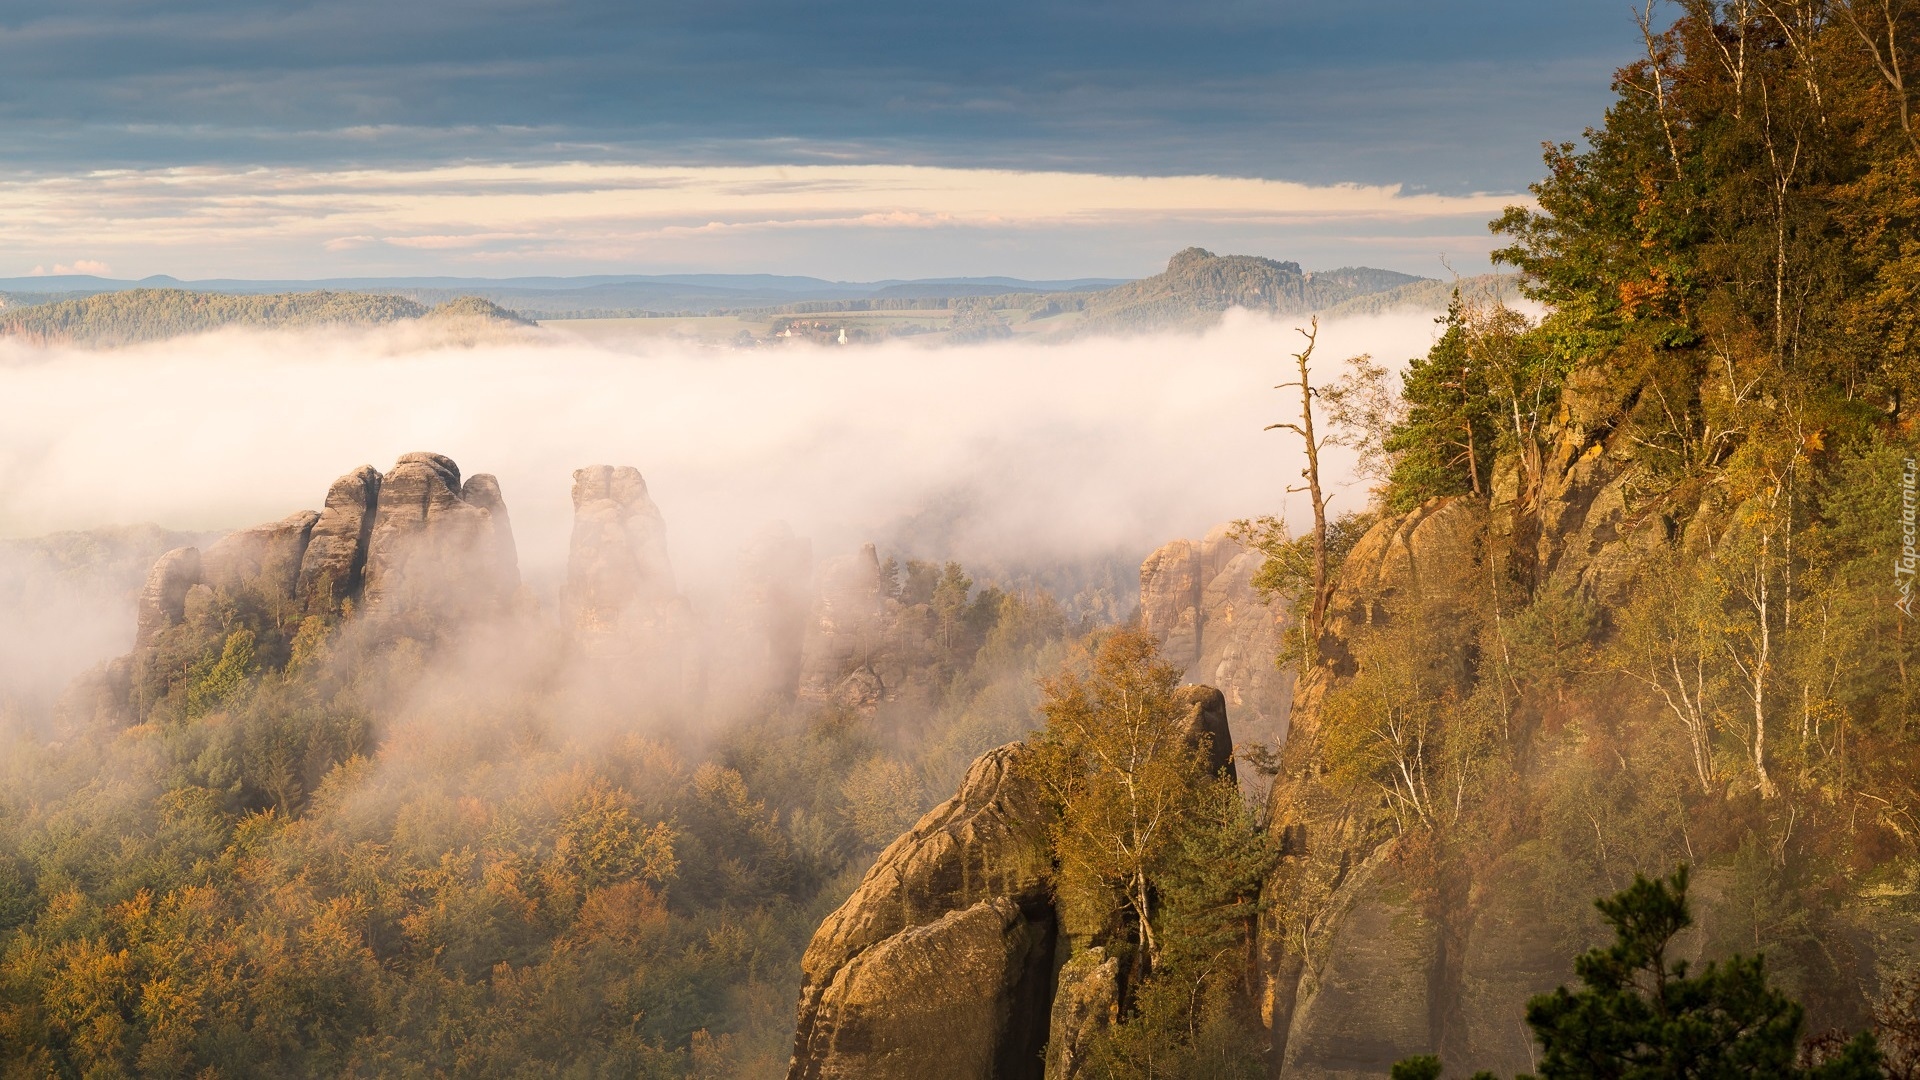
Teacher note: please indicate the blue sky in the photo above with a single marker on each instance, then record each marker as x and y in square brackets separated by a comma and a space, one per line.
[1417, 97]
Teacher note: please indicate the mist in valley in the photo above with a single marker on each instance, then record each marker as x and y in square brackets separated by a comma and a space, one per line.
[1032, 462]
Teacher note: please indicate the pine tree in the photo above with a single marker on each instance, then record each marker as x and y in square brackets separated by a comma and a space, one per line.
[1640, 1016]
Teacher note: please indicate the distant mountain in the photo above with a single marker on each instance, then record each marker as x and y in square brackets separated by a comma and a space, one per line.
[1199, 285]
[137, 315]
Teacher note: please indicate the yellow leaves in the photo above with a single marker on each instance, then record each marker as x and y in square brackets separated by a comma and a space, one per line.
[88, 999]
[1814, 442]
[883, 799]
[601, 841]
[628, 912]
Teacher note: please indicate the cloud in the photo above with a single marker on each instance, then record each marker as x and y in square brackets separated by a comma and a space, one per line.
[1449, 96]
[294, 222]
[1065, 449]
[78, 266]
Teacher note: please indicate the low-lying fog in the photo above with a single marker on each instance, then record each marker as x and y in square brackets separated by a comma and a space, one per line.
[1056, 452]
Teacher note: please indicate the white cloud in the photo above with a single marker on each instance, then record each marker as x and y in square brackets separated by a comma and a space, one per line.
[78, 266]
[297, 222]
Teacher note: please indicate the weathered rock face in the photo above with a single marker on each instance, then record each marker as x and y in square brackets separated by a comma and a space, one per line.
[416, 547]
[1198, 599]
[1204, 716]
[163, 600]
[335, 563]
[617, 565]
[942, 962]
[620, 597]
[264, 559]
[1086, 1000]
[964, 898]
[1369, 987]
[1373, 996]
[950, 1000]
[434, 555]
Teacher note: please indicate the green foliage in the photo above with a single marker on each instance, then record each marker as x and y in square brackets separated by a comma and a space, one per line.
[1286, 573]
[314, 854]
[1488, 386]
[221, 683]
[1445, 445]
[1158, 862]
[1641, 1015]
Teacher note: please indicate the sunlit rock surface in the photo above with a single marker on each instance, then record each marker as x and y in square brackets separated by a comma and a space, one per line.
[1197, 598]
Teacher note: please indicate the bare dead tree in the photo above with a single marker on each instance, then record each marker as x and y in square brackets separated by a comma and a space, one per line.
[1316, 616]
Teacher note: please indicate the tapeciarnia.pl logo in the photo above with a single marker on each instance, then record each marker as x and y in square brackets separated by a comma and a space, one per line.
[1904, 566]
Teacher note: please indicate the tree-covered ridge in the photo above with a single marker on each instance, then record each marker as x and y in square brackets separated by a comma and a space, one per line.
[140, 315]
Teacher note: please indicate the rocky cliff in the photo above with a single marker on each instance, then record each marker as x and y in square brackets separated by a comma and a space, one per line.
[1398, 929]
[1197, 598]
[621, 601]
[952, 960]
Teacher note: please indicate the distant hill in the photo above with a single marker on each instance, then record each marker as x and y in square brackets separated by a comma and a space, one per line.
[473, 308]
[140, 315]
[596, 296]
[1199, 285]
[1428, 294]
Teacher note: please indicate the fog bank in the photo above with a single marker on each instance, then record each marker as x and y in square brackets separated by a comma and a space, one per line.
[1007, 453]
[1063, 449]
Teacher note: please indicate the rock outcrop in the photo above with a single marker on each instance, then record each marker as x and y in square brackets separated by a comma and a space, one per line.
[618, 571]
[1377, 947]
[415, 551]
[335, 563]
[1198, 599]
[435, 555]
[850, 624]
[1086, 1000]
[620, 597]
[969, 887]
[163, 600]
[942, 963]
[264, 560]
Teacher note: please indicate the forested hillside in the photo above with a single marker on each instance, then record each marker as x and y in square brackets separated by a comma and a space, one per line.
[353, 805]
[1635, 591]
[137, 315]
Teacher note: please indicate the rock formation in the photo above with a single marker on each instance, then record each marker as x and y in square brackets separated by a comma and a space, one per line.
[414, 550]
[163, 600]
[617, 565]
[1369, 953]
[435, 554]
[1198, 599]
[942, 963]
[963, 896]
[620, 597]
[264, 559]
[335, 563]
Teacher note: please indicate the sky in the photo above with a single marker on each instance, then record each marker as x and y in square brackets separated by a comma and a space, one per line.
[271, 138]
